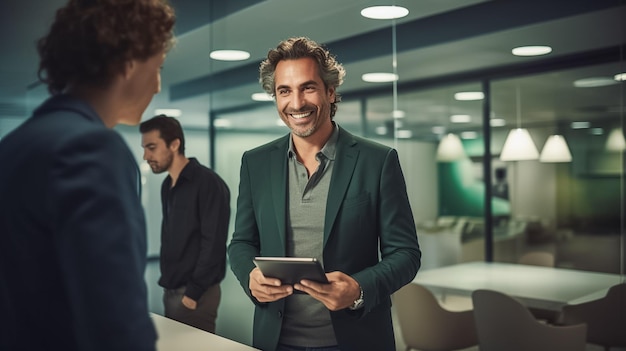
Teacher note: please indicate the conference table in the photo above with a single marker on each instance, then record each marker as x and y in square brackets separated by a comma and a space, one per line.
[176, 336]
[545, 288]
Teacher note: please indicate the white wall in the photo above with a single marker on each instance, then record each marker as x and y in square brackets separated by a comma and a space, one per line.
[532, 185]
[420, 172]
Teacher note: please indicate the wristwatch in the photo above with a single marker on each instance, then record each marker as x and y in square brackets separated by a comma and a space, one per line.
[358, 303]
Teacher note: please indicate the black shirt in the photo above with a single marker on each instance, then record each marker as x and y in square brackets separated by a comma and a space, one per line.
[196, 213]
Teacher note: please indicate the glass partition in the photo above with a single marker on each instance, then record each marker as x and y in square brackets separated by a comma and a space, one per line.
[568, 201]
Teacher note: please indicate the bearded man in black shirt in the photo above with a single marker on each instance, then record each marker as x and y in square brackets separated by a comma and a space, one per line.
[196, 211]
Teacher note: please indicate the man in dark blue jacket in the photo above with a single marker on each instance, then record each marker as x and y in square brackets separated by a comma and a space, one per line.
[72, 228]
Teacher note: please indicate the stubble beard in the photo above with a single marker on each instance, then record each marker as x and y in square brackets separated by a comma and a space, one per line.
[156, 169]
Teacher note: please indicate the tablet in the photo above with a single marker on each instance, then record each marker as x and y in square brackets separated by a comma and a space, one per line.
[291, 270]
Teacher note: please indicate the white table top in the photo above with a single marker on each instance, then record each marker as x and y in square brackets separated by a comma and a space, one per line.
[540, 287]
[176, 336]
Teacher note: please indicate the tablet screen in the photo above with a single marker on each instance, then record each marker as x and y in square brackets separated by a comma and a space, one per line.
[291, 270]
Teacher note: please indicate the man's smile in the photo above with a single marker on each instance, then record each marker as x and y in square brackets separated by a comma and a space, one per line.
[300, 115]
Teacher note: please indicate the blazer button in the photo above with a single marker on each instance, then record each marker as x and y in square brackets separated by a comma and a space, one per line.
[280, 314]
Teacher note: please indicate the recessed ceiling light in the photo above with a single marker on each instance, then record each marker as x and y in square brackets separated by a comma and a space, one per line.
[398, 114]
[594, 82]
[497, 122]
[262, 97]
[379, 77]
[384, 12]
[229, 55]
[381, 130]
[596, 131]
[536, 50]
[403, 134]
[469, 135]
[222, 123]
[171, 112]
[438, 130]
[580, 125]
[620, 77]
[460, 118]
[469, 95]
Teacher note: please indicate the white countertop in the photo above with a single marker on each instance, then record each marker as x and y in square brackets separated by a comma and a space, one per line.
[176, 336]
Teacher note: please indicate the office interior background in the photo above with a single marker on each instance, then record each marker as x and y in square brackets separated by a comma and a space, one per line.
[471, 200]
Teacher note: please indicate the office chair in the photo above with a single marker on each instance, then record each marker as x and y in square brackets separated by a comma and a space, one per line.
[503, 323]
[605, 318]
[427, 326]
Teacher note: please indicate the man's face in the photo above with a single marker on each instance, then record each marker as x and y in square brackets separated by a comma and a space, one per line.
[302, 100]
[156, 152]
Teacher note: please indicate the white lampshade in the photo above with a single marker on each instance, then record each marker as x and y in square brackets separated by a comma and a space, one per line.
[519, 146]
[450, 149]
[555, 150]
[615, 141]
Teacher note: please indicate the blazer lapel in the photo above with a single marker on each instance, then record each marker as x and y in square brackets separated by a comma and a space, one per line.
[343, 169]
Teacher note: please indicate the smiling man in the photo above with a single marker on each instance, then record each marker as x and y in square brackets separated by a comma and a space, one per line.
[321, 192]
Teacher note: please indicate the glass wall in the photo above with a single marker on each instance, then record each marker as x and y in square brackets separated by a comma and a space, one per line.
[569, 199]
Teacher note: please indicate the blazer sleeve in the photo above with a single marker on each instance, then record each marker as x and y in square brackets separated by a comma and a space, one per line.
[244, 244]
[101, 243]
[399, 248]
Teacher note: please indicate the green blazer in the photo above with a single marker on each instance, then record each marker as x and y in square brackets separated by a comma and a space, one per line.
[367, 206]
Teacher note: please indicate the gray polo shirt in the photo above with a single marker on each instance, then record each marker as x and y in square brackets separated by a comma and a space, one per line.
[306, 321]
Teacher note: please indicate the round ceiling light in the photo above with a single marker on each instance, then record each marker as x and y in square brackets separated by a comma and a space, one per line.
[398, 114]
[379, 77]
[535, 50]
[262, 97]
[229, 55]
[460, 118]
[384, 12]
[469, 95]
[171, 112]
[469, 135]
[438, 129]
[497, 122]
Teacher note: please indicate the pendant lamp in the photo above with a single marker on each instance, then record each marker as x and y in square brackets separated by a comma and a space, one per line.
[518, 145]
[615, 141]
[555, 150]
[450, 148]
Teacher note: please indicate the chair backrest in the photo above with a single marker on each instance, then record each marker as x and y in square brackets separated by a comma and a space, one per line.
[605, 317]
[427, 326]
[537, 258]
[503, 323]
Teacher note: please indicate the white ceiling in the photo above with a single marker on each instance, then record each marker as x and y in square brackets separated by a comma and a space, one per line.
[438, 40]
